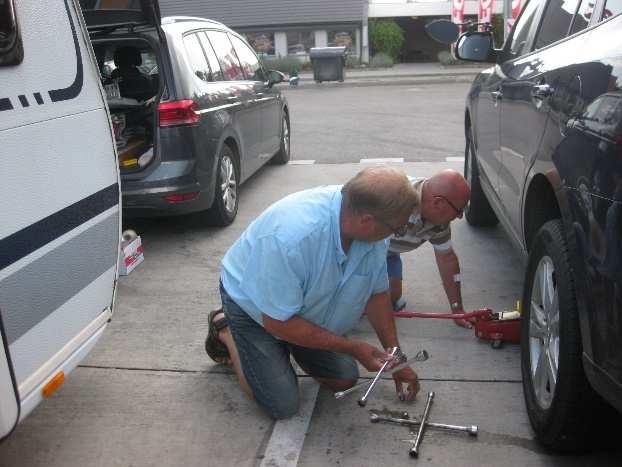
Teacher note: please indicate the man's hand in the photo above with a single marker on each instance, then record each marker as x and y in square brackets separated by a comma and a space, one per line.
[369, 356]
[409, 377]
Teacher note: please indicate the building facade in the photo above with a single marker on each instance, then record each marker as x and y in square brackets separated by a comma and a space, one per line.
[280, 28]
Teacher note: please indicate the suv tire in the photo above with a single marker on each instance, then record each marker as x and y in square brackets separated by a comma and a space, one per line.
[560, 402]
[478, 212]
[225, 205]
[283, 155]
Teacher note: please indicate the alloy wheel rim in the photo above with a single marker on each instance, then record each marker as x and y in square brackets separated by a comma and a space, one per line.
[229, 185]
[544, 333]
[285, 136]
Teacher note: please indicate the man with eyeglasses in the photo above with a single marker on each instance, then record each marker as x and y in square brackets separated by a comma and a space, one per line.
[442, 199]
[300, 277]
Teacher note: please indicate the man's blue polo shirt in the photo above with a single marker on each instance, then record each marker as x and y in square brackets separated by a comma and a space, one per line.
[289, 261]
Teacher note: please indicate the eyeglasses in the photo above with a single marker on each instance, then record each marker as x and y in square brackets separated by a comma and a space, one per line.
[397, 231]
[459, 212]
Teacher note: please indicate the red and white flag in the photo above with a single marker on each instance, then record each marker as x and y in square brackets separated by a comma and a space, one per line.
[485, 12]
[516, 9]
[457, 12]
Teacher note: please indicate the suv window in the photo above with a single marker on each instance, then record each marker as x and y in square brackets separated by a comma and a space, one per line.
[583, 16]
[250, 63]
[229, 63]
[197, 58]
[11, 49]
[612, 8]
[522, 28]
[556, 21]
[211, 57]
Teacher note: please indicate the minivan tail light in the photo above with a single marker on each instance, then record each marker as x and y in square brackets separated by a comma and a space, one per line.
[178, 113]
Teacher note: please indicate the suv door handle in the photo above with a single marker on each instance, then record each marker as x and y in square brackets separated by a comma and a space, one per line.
[541, 91]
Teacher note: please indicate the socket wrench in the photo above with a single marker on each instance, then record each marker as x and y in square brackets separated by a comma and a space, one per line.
[471, 429]
[421, 356]
[414, 451]
[395, 353]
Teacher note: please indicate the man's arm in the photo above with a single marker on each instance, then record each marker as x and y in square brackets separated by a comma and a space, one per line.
[301, 332]
[449, 269]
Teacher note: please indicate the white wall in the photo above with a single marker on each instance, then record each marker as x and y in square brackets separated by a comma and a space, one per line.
[393, 8]
[321, 38]
[280, 44]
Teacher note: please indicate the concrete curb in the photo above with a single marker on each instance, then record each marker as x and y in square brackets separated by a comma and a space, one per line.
[385, 81]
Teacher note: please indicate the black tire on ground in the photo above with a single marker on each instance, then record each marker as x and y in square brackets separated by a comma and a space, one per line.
[283, 155]
[478, 212]
[225, 205]
[561, 404]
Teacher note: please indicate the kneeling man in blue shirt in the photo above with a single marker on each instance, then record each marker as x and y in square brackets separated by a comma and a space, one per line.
[300, 277]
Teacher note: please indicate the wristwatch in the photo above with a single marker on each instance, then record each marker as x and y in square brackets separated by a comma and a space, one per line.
[456, 306]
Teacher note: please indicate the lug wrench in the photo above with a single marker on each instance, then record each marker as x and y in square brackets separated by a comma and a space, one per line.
[414, 451]
[471, 429]
[395, 352]
[421, 356]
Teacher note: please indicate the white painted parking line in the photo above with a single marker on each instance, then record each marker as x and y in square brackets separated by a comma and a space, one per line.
[454, 159]
[382, 160]
[288, 436]
[302, 162]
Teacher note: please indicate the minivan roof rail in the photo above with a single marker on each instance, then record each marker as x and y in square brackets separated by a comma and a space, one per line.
[181, 19]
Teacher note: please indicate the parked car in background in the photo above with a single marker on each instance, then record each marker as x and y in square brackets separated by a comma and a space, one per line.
[201, 120]
[544, 157]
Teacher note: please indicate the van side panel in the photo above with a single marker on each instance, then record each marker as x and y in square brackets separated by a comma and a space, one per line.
[59, 197]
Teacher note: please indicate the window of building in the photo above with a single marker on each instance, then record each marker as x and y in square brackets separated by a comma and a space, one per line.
[299, 42]
[11, 49]
[612, 8]
[583, 16]
[261, 42]
[196, 57]
[556, 21]
[248, 60]
[212, 60]
[343, 38]
[522, 27]
[227, 57]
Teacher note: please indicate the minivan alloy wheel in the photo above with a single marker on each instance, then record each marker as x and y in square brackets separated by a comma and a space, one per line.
[544, 333]
[285, 136]
[229, 186]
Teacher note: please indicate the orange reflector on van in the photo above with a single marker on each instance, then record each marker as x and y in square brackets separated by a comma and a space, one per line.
[53, 384]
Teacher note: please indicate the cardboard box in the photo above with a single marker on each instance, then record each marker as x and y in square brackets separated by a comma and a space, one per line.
[131, 255]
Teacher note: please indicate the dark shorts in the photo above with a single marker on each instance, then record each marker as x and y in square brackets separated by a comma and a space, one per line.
[266, 362]
[394, 265]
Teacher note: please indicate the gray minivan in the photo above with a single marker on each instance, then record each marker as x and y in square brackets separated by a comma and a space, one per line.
[193, 109]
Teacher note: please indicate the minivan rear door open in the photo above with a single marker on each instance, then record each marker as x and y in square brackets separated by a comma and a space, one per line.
[111, 14]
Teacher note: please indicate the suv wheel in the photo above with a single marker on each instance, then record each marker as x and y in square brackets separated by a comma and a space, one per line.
[282, 157]
[477, 211]
[225, 206]
[560, 403]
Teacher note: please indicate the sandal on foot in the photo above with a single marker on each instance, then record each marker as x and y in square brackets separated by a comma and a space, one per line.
[213, 346]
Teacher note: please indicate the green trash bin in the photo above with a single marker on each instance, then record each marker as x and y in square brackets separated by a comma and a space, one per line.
[328, 63]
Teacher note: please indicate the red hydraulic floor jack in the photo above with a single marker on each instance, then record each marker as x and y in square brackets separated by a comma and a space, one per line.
[489, 325]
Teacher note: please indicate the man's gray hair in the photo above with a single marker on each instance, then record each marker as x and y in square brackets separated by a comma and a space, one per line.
[382, 191]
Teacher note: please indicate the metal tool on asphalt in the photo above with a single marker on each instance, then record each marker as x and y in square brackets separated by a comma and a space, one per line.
[414, 451]
[394, 354]
[497, 327]
[421, 356]
[376, 418]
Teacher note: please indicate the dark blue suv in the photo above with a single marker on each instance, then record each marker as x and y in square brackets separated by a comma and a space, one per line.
[544, 158]
[193, 109]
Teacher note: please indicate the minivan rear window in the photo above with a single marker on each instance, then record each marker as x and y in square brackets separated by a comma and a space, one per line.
[229, 62]
[11, 48]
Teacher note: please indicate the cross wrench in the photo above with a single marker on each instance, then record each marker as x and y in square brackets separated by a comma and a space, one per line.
[414, 451]
[375, 418]
[395, 352]
[421, 356]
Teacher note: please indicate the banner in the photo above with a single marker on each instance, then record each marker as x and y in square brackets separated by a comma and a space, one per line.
[485, 12]
[516, 8]
[457, 12]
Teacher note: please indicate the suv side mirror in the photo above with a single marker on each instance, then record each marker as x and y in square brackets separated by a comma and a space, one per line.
[443, 31]
[476, 47]
[11, 48]
[275, 77]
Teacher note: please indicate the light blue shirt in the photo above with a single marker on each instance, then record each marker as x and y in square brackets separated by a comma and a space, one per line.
[289, 261]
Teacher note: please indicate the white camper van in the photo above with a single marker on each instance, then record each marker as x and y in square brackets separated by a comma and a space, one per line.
[59, 202]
